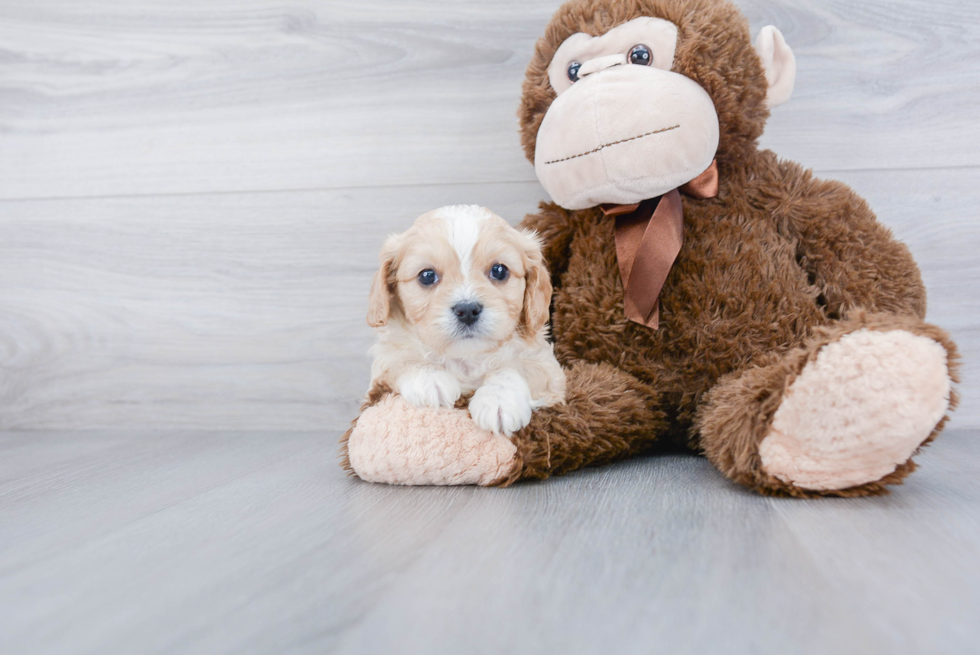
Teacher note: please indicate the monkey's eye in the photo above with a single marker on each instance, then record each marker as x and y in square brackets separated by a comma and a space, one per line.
[499, 272]
[428, 277]
[640, 55]
[573, 71]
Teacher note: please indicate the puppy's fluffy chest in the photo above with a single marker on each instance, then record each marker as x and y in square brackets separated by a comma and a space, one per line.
[470, 369]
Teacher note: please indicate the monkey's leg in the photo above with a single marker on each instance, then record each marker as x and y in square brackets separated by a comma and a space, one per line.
[840, 416]
[608, 414]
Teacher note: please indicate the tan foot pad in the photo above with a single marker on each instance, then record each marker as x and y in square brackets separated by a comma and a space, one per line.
[858, 411]
[397, 443]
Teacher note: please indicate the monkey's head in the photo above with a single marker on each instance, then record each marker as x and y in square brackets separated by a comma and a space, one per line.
[627, 99]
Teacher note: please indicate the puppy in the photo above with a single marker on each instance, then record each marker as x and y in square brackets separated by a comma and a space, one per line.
[461, 300]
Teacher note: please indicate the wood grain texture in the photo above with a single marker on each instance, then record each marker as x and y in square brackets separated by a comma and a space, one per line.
[225, 543]
[243, 311]
[246, 311]
[109, 98]
[192, 197]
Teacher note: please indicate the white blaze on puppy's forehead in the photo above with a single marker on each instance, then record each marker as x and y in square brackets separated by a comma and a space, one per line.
[461, 243]
[463, 230]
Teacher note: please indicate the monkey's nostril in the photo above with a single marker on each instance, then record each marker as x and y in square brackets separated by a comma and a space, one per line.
[467, 313]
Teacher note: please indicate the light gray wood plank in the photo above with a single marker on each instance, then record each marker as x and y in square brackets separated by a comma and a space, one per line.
[242, 311]
[114, 479]
[652, 555]
[880, 84]
[216, 569]
[659, 555]
[246, 311]
[852, 541]
[109, 98]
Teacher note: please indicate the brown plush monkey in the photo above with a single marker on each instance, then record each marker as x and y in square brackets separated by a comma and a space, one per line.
[707, 294]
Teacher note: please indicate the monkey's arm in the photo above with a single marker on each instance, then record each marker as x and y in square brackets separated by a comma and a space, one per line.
[554, 226]
[852, 258]
[608, 415]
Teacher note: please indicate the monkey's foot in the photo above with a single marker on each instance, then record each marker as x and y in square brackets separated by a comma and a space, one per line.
[858, 411]
[397, 443]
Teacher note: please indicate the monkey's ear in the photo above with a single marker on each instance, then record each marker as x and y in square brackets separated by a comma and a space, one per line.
[379, 299]
[779, 63]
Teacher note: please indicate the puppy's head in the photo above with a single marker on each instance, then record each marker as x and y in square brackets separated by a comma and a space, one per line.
[462, 280]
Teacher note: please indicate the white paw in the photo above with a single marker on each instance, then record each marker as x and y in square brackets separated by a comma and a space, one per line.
[503, 404]
[429, 387]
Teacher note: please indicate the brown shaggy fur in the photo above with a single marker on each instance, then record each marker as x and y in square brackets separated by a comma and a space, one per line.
[775, 267]
[607, 416]
[737, 412]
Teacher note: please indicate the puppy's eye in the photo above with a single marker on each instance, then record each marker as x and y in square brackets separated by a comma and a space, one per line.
[499, 272]
[573, 71]
[640, 55]
[428, 277]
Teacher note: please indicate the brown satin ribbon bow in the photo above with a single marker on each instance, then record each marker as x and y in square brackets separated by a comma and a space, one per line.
[649, 234]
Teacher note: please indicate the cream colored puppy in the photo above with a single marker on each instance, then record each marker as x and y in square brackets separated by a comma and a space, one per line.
[461, 301]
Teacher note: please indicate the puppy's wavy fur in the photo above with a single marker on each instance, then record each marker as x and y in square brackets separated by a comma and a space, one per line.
[432, 358]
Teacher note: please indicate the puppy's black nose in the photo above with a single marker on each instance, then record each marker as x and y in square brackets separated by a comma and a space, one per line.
[467, 312]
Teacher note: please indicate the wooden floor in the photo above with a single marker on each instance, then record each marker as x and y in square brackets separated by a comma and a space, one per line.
[192, 196]
[234, 542]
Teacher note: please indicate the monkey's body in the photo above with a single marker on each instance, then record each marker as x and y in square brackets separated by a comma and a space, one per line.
[762, 280]
[791, 348]
[737, 269]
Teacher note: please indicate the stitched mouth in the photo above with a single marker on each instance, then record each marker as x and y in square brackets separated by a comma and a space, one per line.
[613, 143]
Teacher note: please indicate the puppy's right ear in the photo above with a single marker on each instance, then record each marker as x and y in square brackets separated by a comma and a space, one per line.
[537, 290]
[382, 285]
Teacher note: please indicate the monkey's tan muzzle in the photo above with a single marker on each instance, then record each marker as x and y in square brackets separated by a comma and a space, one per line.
[625, 134]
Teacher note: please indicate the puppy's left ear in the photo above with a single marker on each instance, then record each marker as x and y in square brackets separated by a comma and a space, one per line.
[537, 286]
[379, 299]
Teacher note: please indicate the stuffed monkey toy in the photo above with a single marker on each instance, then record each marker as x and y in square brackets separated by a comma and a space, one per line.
[707, 294]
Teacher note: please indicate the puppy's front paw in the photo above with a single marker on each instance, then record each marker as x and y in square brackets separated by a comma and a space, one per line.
[503, 405]
[429, 387]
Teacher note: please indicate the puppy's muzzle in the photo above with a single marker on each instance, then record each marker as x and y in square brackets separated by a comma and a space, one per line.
[467, 313]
